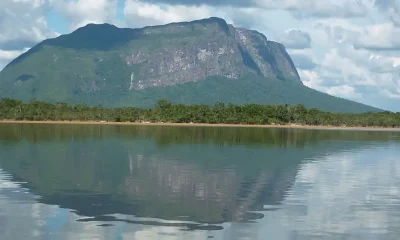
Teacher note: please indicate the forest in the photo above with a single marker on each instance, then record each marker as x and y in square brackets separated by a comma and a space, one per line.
[167, 112]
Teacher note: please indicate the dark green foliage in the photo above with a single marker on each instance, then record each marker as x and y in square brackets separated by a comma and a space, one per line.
[164, 111]
[249, 89]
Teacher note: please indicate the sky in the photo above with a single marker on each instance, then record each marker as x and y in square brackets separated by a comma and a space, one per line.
[346, 48]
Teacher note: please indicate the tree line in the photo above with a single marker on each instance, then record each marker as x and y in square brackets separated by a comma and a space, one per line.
[165, 111]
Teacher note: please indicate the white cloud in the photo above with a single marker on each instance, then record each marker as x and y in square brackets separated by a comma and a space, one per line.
[7, 56]
[82, 12]
[139, 13]
[341, 185]
[391, 8]
[392, 95]
[317, 8]
[23, 23]
[300, 8]
[338, 31]
[344, 91]
[347, 70]
[368, 74]
[10, 55]
[373, 61]
[311, 79]
[295, 39]
[303, 58]
[380, 36]
[355, 74]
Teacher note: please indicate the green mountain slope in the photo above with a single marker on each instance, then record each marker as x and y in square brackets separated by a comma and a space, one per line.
[249, 89]
[199, 62]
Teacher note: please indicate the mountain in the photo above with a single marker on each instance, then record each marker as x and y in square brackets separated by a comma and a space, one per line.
[199, 62]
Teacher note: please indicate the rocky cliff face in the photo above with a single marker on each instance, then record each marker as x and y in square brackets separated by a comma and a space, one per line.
[205, 48]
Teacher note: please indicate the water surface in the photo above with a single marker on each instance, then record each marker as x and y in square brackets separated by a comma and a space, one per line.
[160, 182]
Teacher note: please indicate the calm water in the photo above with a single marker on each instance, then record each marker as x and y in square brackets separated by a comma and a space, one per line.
[127, 182]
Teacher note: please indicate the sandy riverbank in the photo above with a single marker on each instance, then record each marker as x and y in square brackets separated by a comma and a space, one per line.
[201, 125]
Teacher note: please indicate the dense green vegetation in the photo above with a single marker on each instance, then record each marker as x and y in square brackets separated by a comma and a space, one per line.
[248, 89]
[165, 111]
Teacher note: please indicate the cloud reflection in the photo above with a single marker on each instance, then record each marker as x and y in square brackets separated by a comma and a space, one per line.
[350, 194]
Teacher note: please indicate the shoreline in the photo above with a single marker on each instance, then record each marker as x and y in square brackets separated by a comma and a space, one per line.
[289, 126]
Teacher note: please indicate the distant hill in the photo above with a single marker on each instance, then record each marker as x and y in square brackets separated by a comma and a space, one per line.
[200, 62]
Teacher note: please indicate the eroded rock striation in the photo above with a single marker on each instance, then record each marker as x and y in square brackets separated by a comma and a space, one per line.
[211, 47]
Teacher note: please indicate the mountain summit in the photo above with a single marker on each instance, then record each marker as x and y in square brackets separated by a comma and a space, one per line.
[199, 62]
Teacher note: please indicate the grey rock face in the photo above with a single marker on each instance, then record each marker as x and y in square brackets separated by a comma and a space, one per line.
[189, 52]
[205, 56]
[268, 58]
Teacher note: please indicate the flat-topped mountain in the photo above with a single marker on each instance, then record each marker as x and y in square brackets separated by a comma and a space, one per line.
[199, 62]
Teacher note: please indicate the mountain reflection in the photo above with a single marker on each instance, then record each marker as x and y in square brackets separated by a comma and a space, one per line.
[202, 175]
